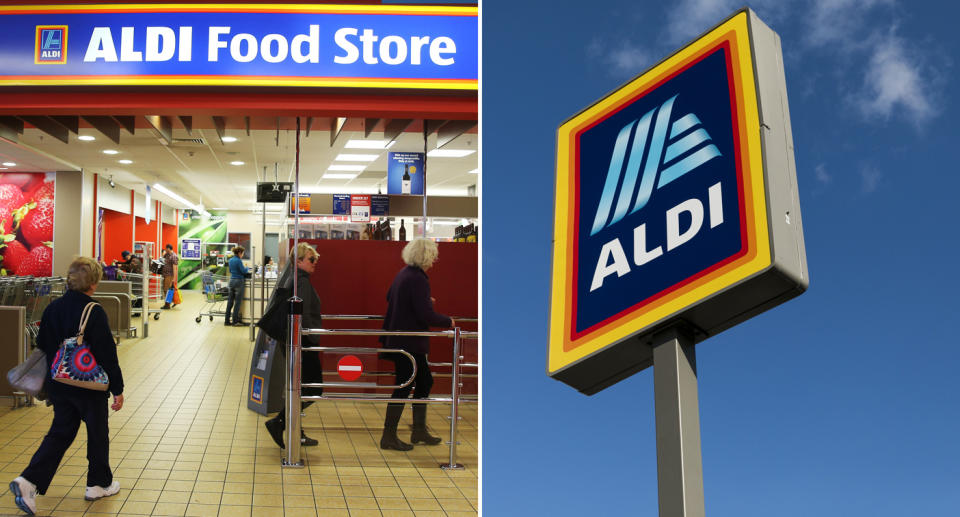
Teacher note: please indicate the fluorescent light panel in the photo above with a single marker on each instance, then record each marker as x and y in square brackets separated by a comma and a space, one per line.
[450, 153]
[356, 157]
[339, 176]
[86, 138]
[345, 167]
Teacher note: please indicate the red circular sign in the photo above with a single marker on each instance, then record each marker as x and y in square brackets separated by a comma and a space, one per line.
[350, 368]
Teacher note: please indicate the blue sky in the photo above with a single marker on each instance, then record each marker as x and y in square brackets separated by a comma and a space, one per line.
[841, 402]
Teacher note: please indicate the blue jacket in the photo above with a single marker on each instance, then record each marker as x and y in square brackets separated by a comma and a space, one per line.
[409, 308]
[237, 269]
[61, 320]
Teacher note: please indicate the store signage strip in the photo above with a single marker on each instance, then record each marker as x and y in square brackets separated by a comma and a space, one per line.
[392, 47]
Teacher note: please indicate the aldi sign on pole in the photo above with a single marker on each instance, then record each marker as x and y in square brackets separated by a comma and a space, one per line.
[676, 205]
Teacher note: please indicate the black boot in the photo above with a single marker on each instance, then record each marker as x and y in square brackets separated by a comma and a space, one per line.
[306, 441]
[389, 439]
[420, 434]
[275, 427]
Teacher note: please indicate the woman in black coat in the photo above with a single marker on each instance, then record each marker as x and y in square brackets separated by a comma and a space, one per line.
[71, 404]
[410, 308]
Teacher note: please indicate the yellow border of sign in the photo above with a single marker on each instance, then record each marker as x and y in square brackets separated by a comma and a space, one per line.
[335, 82]
[563, 351]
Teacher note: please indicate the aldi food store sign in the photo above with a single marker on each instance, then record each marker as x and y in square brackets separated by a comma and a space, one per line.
[369, 46]
[676, 204]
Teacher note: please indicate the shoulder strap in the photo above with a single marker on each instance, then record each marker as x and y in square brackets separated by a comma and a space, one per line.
[83, 321]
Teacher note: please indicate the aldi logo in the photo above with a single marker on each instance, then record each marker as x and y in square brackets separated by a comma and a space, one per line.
[663, 207]
[51, 45]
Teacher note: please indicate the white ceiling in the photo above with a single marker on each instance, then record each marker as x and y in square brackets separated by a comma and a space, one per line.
[202, 173]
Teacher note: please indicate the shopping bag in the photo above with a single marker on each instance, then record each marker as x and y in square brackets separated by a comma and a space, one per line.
[74, 363]
[169, 298]
[176, 296]
[29, 375]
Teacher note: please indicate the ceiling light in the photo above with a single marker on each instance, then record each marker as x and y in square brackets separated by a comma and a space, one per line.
[367, 144]
[450, 153]
[164, 190]
[343, 167]
[110, 151]
[356, 157]
[338, 176]
[229, 139]
[9, 164]
[474, 171]
[125, 162]
[86, 138]
[237, 162]
[3, 168]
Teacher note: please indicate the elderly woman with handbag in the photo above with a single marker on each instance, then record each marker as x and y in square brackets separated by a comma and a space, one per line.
[82, 369]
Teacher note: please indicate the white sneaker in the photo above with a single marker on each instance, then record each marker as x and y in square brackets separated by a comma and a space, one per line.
[96, 492]
[25, 494]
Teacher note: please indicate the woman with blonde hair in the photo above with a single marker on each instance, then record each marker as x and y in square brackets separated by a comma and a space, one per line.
[410, 307]
[72, 404]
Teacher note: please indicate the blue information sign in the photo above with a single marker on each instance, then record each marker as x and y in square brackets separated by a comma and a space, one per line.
[190, 249]
[298, 45]
[405, 173]
[341, 204]
[379, 204]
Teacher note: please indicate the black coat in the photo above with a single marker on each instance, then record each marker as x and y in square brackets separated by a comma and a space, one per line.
[61, 320]
[409, 308]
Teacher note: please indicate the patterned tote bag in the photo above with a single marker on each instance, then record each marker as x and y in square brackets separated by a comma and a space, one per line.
[75, 365]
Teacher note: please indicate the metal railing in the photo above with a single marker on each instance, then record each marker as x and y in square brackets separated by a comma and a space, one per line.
[294, 377]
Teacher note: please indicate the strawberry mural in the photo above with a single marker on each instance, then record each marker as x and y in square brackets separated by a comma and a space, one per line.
[26, 224]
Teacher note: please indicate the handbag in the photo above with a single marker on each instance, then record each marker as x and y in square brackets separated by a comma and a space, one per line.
[274, 322]
[30, 375]
[74, 363]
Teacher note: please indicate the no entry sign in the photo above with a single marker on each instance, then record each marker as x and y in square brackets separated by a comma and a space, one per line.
[350, 368]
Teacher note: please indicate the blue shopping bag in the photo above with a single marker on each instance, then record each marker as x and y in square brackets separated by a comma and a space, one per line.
[169, 298]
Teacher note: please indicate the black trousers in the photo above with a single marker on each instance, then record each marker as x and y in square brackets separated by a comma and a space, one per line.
[311, 370]
[234, 300]
[422, 383]
[68, 411]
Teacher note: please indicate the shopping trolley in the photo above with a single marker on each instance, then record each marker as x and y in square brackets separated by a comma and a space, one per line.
[154, 291]
[215, 292]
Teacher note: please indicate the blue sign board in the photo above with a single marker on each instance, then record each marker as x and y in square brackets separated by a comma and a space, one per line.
[341, 204]
[405, 173]
[190, 249]
[376, 46]
[379, 204]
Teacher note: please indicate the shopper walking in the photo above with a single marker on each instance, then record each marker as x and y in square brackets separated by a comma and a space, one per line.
[311, 365]
[169, 271]
[238, 276]
[71, 404]
[410, 307]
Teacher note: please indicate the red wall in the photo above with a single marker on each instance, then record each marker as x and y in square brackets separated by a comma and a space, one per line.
[147, 232]
[117, 234]
[352, 277]
[168, 236]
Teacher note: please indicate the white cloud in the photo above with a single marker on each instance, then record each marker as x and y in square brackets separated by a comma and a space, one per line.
[892, 80]
[690, 18]
[623, 58]
[839, 22]
[869, 179]
[820, 172]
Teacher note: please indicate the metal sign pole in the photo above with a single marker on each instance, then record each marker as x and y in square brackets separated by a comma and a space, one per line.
[253, 289]
[424, 172]
[145, 290]
[679, 466]
[454, 403]
[292, 438]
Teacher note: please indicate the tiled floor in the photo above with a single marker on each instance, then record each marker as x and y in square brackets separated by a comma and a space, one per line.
[185, 443]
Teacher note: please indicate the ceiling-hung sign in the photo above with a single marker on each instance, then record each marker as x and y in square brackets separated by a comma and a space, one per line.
[676, 204]
[354, 46]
